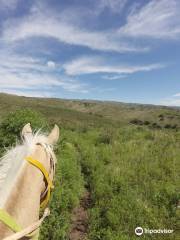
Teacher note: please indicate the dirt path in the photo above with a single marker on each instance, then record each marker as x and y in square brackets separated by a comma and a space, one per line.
[79, 225]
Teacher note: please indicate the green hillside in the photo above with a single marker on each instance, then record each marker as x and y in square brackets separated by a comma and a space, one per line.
[125, 155]
[93, 111]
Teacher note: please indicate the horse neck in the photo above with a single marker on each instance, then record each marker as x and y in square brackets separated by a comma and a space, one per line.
[23, 203]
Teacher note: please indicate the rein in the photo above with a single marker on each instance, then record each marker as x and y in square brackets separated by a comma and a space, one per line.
[30, 231]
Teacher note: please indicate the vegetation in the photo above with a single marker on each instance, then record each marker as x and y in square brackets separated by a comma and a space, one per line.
[12, 124]
[117, 152]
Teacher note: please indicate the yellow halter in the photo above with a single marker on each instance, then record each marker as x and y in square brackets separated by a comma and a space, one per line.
[9, 220]
[40, 166]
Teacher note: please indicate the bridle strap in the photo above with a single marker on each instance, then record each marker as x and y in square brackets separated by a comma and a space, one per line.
[9, 221]
[40, 166]
[30, 231]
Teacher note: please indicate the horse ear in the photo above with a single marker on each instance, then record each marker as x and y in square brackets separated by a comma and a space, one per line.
[26, 131]
[54, 135]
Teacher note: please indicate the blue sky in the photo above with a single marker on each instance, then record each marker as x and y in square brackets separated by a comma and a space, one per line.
[120, 50]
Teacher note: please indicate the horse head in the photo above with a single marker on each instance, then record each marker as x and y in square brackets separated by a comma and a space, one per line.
[29, 171]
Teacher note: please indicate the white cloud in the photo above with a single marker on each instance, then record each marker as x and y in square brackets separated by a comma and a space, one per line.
[34, 93]
[25, 74]
[89, 65]
[51, 64]
[39, 25]
[174, 100]
[176, 95]
[170, 102]
[13, 63]
[114, 77]
[157, 19]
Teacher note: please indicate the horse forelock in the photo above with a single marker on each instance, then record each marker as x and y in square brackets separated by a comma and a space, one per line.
[12, 162]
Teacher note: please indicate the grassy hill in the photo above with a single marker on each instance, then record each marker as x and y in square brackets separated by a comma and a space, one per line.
[62, 111]
[125, 155]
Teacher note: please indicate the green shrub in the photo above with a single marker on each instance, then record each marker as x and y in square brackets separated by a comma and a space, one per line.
[155, 125]
[167, 126]
[136, 121]
[146, 122]
[13, 123]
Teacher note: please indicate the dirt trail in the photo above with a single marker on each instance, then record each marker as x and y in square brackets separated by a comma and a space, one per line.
[79, 219]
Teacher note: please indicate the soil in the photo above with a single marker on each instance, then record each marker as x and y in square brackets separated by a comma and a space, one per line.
[79, 219]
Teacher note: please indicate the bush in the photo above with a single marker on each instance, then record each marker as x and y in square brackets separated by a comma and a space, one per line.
[174, 126]
[12, 124]
[136, 121]
[167, 126]
[146, 122]
[155, 125]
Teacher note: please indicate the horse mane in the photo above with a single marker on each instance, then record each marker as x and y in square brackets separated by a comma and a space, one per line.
[12, 162]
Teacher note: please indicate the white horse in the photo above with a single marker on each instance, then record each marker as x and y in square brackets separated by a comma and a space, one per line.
[26, 174]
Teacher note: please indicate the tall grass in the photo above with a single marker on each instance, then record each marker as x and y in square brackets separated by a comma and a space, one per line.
[133, 180]
[69, 186]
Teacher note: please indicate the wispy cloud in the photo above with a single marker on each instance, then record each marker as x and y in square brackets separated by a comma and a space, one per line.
[114, 77]
[176, 95]
[157, 19]
[170, 102]
[24, 74]
[40, 25]
[173, 100]
[29, 93]
[90, 65]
